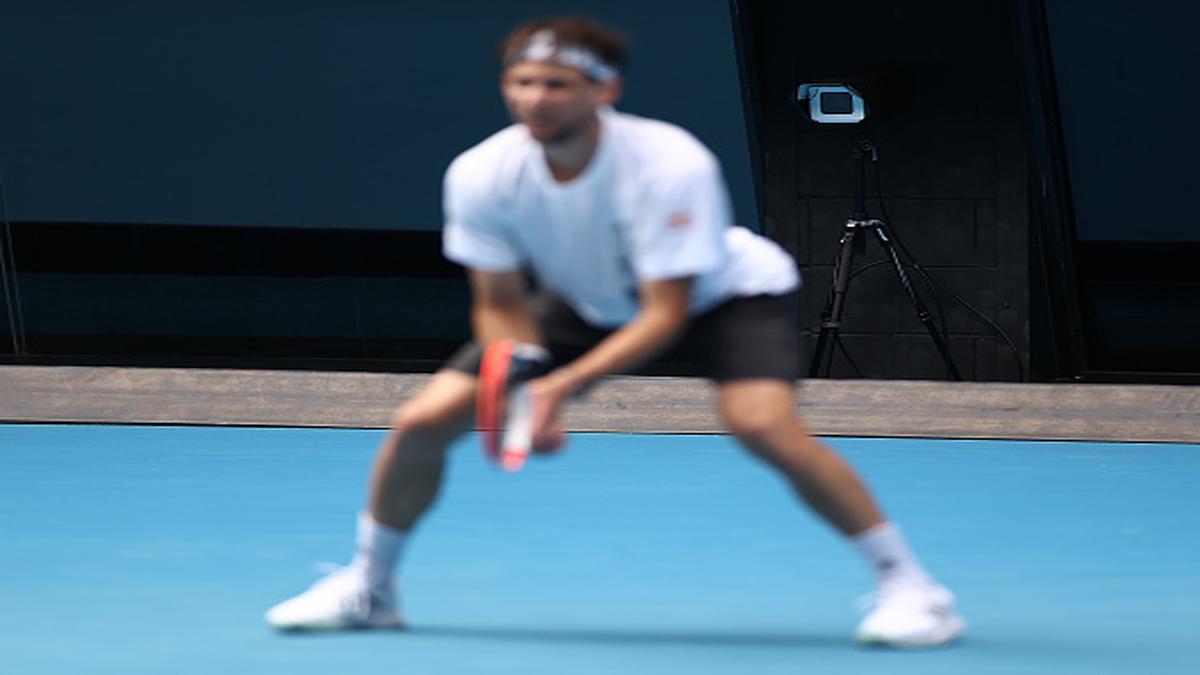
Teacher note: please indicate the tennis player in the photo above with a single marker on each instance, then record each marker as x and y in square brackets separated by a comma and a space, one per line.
[624, 223]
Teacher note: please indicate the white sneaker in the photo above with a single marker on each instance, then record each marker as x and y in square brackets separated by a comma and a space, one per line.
[341, 600]
[911, 615]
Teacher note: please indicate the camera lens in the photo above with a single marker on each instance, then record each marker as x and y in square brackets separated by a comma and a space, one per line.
[837, 103]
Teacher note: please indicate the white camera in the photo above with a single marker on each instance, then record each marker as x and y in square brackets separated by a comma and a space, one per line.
[832, 103]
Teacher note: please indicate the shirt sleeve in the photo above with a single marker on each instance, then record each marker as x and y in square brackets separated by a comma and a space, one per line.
[475, 234]
[679, 229]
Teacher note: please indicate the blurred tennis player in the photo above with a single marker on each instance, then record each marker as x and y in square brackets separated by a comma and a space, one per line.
[624, 222]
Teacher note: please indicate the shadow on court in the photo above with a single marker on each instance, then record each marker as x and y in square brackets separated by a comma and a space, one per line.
[652, 637]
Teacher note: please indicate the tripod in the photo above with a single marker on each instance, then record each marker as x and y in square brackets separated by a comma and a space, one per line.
[854, 241]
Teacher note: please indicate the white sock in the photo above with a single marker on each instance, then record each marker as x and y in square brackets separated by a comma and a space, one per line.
[889, 556]
[378, 550]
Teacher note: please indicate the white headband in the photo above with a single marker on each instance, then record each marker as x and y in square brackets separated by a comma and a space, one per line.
[543, 47]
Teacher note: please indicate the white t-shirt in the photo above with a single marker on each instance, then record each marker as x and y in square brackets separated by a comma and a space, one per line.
[650, 205]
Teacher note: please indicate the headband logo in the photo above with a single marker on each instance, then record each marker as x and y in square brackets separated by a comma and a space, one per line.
[542, 46]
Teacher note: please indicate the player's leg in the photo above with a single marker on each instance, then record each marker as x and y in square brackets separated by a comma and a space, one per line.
[751, 348]
[761, 414]
[911, 608]
[405, 480]
[407, 473]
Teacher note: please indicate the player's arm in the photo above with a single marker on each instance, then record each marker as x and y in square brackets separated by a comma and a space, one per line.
[499, 309]
[661, 319]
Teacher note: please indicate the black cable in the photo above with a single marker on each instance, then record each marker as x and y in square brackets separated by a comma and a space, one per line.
[12, 296]
[837, 341]
[853, 365]
[995, 326]
[936, 286]
[867, 267]
[853, 274]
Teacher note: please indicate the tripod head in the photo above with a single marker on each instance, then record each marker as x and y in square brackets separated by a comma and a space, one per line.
[861, 147]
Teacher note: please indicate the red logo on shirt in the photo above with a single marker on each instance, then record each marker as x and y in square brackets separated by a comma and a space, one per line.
[680, 219]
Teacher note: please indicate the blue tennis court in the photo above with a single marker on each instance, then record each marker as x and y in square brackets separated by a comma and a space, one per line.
[131, 549]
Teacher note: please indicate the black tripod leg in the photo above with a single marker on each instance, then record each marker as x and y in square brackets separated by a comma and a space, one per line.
[918, 305]
[831, 318]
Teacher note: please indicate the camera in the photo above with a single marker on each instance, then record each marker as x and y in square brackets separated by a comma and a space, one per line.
[832, 103]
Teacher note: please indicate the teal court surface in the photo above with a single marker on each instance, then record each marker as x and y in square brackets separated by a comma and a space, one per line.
[141, 549]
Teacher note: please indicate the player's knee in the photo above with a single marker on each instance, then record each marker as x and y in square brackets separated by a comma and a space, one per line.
[756, 428]
[419, 434]
[416, 417]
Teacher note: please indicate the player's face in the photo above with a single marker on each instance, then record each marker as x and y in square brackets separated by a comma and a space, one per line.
[557, 103]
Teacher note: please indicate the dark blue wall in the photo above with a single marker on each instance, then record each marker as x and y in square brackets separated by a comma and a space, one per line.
[304, 113]
[1127, 77]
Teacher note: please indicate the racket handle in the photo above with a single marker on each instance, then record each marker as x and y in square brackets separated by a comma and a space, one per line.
[518, 430]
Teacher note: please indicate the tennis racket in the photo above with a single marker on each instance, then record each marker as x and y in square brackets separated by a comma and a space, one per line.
[504, 411]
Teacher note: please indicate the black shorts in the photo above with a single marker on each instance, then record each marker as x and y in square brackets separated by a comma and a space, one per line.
[742, 338]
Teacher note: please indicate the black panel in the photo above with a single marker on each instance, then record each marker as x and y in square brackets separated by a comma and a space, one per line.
[1141, 307]
[8, 346]
[88, 248]
[238, 296]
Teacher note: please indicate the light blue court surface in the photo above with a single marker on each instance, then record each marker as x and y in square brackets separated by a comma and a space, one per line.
[156, 550]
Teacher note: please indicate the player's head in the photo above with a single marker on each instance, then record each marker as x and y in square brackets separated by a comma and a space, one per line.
[557, 72]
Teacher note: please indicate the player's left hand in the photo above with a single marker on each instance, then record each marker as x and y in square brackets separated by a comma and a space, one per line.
[547, 395]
